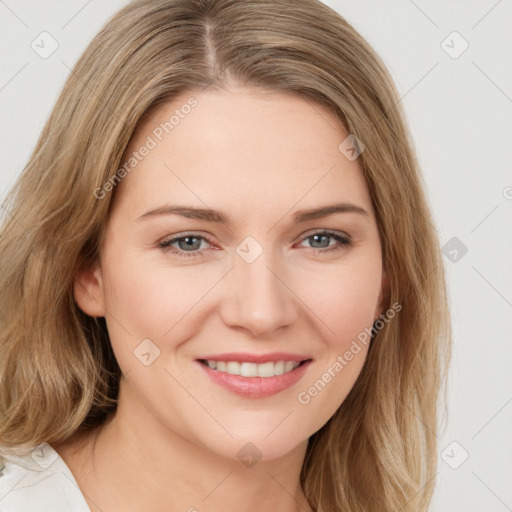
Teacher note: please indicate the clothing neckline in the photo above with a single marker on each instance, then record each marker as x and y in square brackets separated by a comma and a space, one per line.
[41, 461]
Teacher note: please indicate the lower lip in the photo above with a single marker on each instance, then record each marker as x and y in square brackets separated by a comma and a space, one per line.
[256, 387]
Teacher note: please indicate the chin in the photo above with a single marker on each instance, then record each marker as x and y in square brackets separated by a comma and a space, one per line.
[258, 447]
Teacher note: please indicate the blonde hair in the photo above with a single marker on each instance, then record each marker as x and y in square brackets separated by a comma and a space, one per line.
[58, 372]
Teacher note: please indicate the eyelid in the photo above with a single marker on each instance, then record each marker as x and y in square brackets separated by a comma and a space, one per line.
[178, 236]
[318, 231]
[184, 234]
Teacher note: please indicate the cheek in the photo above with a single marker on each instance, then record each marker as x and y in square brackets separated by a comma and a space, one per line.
[343, 299]
[344, 302]
[152, 301]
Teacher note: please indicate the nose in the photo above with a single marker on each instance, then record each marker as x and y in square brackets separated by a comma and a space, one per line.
[257, 298]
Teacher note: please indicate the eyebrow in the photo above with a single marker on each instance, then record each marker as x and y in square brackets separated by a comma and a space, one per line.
[217, 216]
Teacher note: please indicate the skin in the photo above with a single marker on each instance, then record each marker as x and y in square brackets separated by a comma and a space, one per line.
[257, 156]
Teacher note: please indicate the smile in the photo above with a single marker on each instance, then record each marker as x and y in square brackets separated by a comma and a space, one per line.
[247, 369]
[255, 379]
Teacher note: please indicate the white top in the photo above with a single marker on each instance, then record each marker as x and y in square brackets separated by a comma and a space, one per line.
[39, 481]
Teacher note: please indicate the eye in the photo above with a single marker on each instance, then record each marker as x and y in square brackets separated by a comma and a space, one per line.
[188, 245]
[320, 240]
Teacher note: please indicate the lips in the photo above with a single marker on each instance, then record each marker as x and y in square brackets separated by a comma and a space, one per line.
[255, 375]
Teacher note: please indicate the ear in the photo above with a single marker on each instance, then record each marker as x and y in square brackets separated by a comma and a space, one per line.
[383, 295]
[89, 290]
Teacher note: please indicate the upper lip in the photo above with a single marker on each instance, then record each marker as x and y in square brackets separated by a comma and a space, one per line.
[254, 358]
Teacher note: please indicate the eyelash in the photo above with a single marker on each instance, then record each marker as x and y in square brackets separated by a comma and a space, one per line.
[165, 244]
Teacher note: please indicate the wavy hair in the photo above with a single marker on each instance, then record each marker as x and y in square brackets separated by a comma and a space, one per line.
[58, 374]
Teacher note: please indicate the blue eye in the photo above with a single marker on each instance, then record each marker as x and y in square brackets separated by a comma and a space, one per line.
[184, 244]
[342, 241]
[188, 245]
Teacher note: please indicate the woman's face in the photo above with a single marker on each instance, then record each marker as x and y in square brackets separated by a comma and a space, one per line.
[213, 253]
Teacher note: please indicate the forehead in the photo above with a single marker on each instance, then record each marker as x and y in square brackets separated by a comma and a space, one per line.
[244, 149]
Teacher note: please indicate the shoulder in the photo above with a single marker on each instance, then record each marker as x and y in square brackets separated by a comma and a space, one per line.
[38, 481]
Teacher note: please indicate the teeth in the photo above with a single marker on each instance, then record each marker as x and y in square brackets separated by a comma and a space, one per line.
[279, 368]
[244, 369]
[249, 370]
[233, 368]
[288, 366]
[266, 369]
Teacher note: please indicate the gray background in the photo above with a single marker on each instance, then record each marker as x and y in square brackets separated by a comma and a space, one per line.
[459, 108]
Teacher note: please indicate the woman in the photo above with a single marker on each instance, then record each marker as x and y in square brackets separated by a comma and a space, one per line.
[221, 285]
